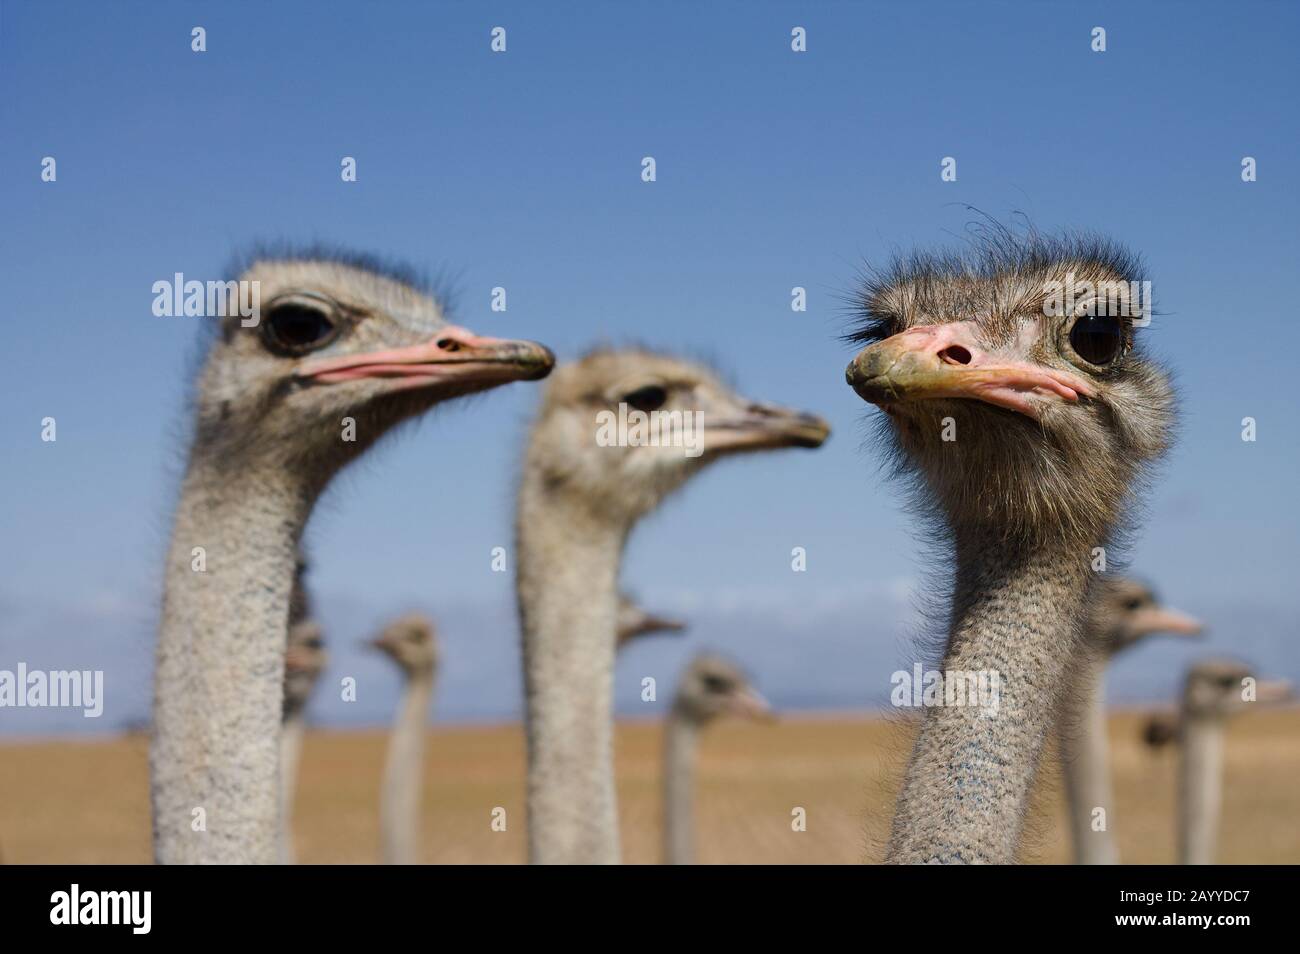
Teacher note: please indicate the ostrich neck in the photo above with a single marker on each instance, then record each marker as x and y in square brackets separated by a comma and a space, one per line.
[290, 753]
[1200, 789]
[680, 736]
[1085, 762]
[220, 665]
[567, 589]
[399, 812]
[1014, 614]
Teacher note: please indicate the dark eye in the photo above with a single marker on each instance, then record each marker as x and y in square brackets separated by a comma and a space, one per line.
[1133, 603]
[717, 684]
[297, 329]
[649, 398]
[1097, 338]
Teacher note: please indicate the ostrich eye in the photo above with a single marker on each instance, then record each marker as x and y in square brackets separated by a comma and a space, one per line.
[297, 329]
[647, 399]
[1097, 338]
[313, 644]
[1133, 603]
[716, 684]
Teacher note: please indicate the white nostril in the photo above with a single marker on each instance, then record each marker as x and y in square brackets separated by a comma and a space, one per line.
[955, 354]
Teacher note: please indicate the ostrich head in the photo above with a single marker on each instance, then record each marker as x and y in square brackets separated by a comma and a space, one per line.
[585, 399]
[1215, 688]
[339, 338]
[304, 660]
[1160, 730]
[1019, 420]
[411, 642]
[713, 687]
[1124, 611]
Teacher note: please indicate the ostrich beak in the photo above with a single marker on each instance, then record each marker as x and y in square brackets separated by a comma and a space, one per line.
[948, 361]
[1273, 691]
[1158, 619]
[663, 624]
[755, 426]
[650, 623]
[454, 359]
[750, 704]
[647, 625]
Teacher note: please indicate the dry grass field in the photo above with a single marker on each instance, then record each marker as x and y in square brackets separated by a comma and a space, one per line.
[87, 802]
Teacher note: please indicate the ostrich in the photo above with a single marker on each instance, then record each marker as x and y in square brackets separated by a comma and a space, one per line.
[634, 622]
[1159, 730]
[1025, 432]
[710, 687]
[411, 643]
[1123, 612]
[580, 496]
[304, 660]
[1215, 689]
[342, 351]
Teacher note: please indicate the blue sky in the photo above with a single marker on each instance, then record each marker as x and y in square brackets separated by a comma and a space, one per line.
[521, 169]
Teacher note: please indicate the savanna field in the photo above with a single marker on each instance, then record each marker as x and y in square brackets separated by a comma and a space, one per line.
[87, 802]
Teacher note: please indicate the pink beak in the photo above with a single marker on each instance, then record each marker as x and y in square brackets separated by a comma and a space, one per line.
[948, 361]
[1161, 620]
[1273, 691]
[750, 704]
[455, 356]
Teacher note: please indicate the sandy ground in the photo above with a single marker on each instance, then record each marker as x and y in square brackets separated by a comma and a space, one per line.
[87, 802]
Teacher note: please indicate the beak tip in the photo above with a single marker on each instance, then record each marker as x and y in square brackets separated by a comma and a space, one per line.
[865, 382]
[539, 360]
[816, 432]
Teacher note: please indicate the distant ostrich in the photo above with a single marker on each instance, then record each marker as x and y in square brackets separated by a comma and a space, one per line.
[1160, 730]
[1123, 613]
[1024, 435]
[411, 643]
[304, 660]
[1215, 690]
[634, 621]
[579, 499]
[710, 687]
[341, 353]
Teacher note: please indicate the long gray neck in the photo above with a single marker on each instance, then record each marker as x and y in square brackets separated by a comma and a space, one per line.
[1015, 615]
[1085, 763]
[1200, 789]
[399, 808]
[568, 601]
[291, 732]
[680, 735]
[218, 682]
